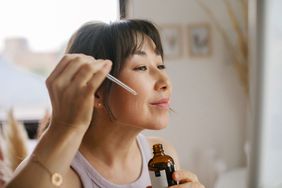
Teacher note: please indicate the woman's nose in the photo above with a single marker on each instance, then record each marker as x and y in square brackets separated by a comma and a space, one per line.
[162, 82]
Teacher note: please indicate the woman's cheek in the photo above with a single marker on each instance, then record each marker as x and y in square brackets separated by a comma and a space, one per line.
[134, 108]
[124, 104]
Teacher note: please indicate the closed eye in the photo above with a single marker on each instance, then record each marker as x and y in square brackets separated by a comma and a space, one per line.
[161, 67]
[140, 68]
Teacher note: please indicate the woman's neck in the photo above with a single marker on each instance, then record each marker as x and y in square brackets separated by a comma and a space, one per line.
[110, 142]
[113, 150]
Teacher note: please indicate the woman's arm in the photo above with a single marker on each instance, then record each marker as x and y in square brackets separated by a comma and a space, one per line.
[71, 87]
[55, 151]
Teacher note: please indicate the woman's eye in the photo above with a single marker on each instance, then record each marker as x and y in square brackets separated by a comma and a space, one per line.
[161, 67]
[141, 68]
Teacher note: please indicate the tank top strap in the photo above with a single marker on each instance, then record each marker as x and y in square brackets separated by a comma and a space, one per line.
[79, 165]
[145, 147]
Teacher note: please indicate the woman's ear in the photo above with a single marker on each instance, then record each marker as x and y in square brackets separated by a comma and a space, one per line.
[98, 100]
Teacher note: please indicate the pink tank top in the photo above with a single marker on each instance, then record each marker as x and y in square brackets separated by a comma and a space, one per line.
[91, 178]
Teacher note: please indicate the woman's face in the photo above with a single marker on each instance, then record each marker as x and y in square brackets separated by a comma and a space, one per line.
[144, 72]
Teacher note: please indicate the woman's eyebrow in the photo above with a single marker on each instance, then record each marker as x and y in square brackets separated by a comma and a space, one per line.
[157, 51]
[140, 52]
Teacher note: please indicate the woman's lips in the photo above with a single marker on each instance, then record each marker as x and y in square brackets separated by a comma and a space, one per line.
[162, 103]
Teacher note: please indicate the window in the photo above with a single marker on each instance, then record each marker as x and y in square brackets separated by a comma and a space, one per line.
[33, 37]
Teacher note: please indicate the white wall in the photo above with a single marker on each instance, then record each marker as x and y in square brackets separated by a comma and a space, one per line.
[208, 98]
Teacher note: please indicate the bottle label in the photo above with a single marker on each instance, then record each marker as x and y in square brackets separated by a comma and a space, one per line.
[158, 179]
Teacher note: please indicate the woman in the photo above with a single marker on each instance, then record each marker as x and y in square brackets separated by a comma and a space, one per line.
[94, 139]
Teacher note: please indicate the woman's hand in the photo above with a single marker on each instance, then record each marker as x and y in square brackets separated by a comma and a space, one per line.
[72, 86]
[186, 180]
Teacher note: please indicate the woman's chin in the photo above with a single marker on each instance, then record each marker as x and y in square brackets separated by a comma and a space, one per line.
[157, 127]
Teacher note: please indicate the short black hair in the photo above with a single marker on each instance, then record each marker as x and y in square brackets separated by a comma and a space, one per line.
[115, 41]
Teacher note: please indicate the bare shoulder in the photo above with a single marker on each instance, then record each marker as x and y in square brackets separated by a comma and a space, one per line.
[168, 148]
[72, 180]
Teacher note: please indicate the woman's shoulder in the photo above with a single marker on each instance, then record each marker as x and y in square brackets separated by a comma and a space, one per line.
[168, 148]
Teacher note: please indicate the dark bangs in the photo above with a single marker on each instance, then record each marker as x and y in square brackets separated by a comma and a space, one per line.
[129, 35]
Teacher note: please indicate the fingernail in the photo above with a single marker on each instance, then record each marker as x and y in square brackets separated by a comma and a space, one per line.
[176, 176]
[107, 64]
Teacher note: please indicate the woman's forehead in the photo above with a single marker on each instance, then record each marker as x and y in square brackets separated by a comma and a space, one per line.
[144, 40]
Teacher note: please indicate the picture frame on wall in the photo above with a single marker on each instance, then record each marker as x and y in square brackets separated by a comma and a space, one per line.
[199, 40]
[171, 40]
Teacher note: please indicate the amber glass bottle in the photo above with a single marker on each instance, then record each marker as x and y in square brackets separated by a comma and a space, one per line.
[161, 167]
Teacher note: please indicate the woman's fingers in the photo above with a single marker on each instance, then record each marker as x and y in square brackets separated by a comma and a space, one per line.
[94, 83]
[72, 86]
[189, 185]
[183, 176]
[60, 67]
[91, 77]
[74, 66]
[67, 67]
[87, 71]
[186, 179]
